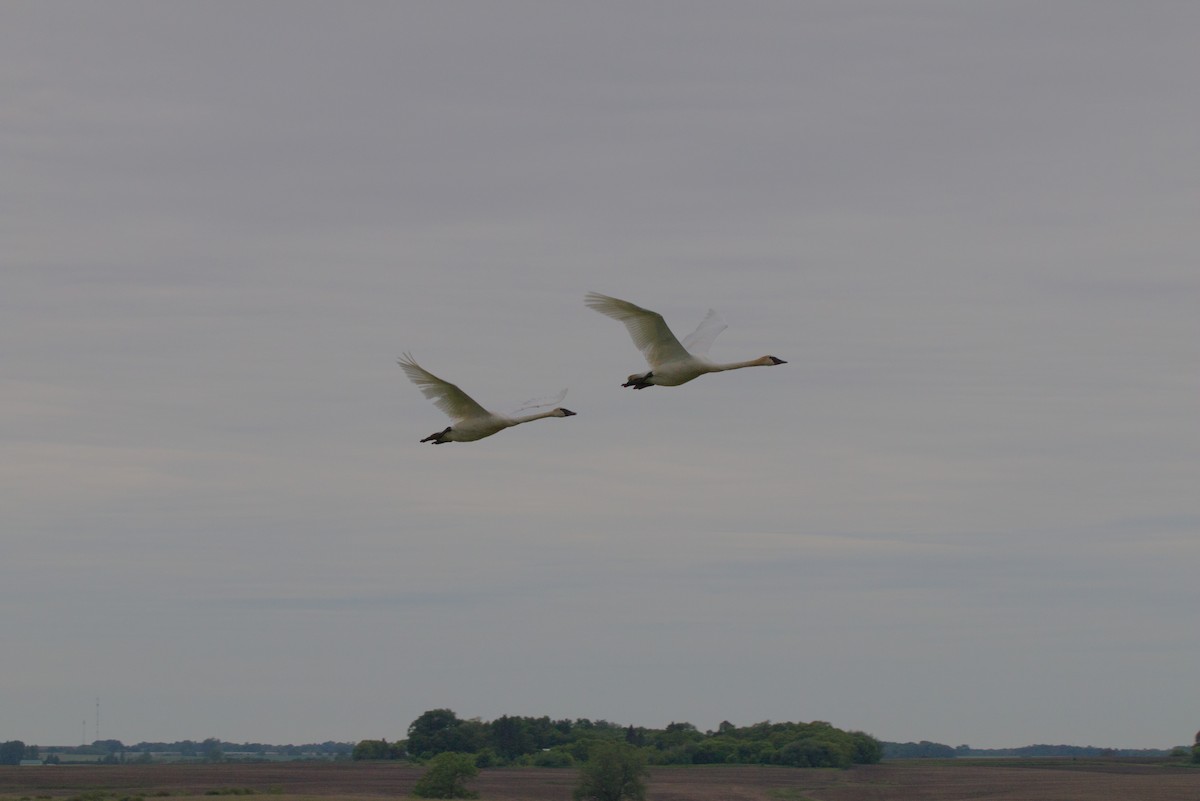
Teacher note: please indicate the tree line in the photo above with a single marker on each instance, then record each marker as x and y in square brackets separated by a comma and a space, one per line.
[930, 750]
[112, 752]
[542, 742]
[13, 751]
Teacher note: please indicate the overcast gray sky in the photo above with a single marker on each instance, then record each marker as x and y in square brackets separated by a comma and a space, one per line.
[966, 510]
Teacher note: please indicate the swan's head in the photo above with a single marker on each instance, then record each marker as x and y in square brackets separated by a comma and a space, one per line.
[561, 412]
[769, 361]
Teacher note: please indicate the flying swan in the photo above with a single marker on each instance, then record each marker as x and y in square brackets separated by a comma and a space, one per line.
[469, 420]
[671, 363]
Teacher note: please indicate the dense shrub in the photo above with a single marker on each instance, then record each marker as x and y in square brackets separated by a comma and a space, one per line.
[447, 777]
[553, 758]
[615, 771]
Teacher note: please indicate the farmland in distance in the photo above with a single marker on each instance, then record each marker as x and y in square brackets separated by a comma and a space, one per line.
[908, 780]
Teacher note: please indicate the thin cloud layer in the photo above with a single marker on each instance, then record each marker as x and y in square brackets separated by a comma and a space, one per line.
[964, 511]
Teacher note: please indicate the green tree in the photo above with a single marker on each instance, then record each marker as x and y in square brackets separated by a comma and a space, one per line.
[212, 750]
[553, 758]
[440, 730]
[427, 735]
[447, 776]
[12, 752]
[614, 771]
[868, 750]
[377, 749]
[676, 734]
[817, 752]
[713, 750]
[510, 737]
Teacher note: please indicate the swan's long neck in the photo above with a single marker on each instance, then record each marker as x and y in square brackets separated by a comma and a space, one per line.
[525, 418]
[717, 368]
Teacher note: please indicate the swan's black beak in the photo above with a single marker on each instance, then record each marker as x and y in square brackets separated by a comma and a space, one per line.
[567, 413]
[776, 361]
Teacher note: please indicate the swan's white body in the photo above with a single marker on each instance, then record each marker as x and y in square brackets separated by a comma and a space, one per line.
[671, 362]
[469, 420]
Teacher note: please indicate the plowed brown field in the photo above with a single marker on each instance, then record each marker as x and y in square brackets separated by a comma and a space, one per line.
[998, 780]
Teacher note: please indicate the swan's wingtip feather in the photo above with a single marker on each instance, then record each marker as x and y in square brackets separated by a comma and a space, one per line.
[595, 299]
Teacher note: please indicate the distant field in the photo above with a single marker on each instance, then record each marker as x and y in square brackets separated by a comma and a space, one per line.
[917, 780]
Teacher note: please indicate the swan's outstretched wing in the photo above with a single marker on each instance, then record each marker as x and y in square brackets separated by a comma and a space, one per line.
[648, 329]
[700, 340]
[446, 396]
[540, 403]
